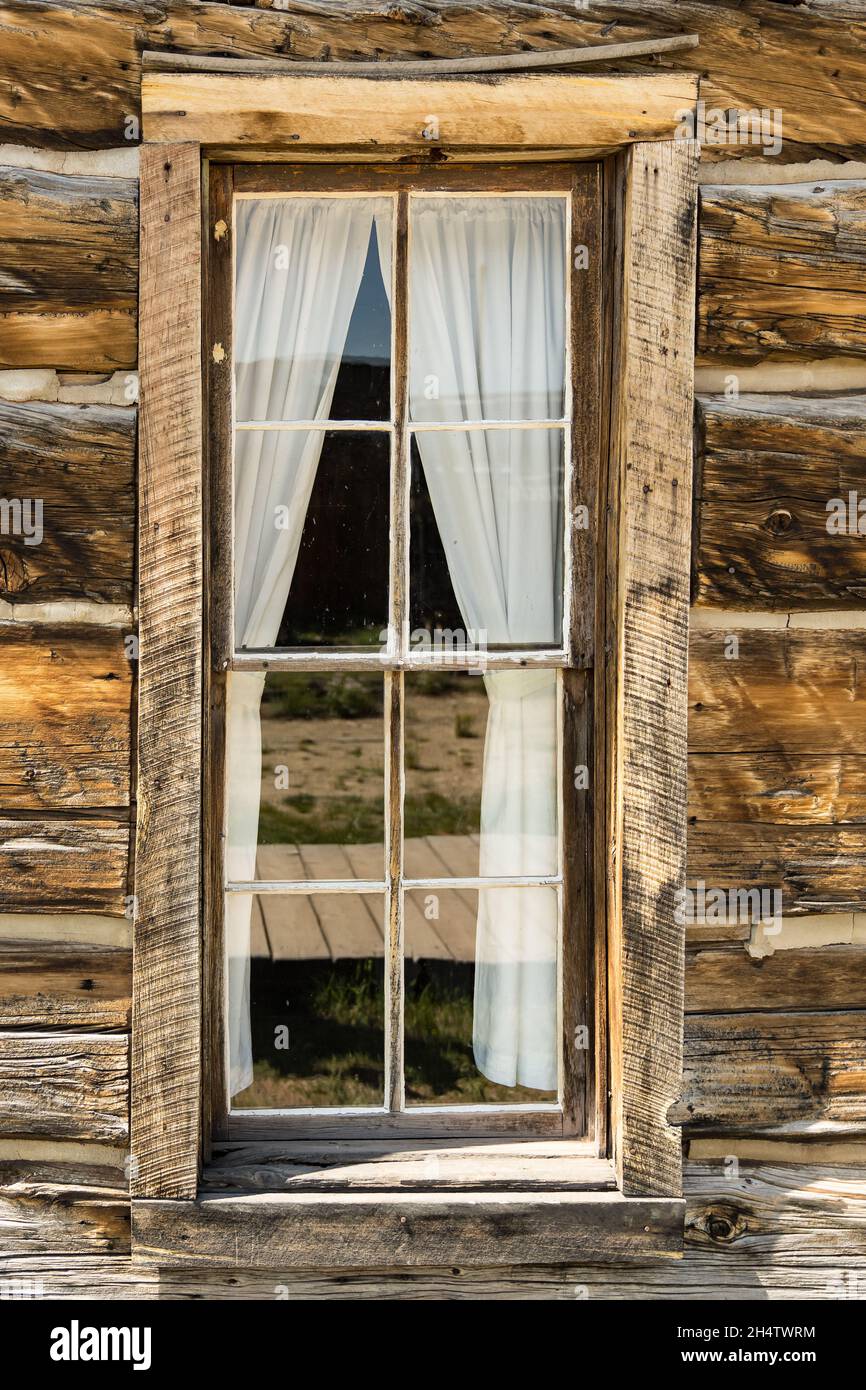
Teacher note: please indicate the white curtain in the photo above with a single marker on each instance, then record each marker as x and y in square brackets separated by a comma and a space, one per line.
[299, 267]
[487, 305]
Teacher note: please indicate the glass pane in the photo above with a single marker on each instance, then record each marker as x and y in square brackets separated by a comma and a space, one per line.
[487, 308]
[316, 991]
[481, 997]
[486, 538]
[311, 538]
[316, 811]
[481, 788]
[312, 322]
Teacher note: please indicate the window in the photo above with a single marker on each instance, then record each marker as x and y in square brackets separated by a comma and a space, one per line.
[618, 665]
[401, 655]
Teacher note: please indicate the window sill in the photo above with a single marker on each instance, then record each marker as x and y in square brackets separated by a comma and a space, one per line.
[328, 1206]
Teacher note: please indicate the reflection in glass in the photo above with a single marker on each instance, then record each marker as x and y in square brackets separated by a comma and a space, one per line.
[312, 324]
[321, 790]
[480, 796]
[316, 1000]
[487, 308]
[311, 538]
[481, 1004]
[486, 536]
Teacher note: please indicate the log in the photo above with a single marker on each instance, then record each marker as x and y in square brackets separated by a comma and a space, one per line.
[79, 461]
[746, 1072]
[70, 247]
[814, 868]
[786, 692]
[782, 271]
[66, 696]
[778, 788]
[817, 977]
[72, 1086]
[46, 1210]
[755, 55]
[768, 465]
[59, 985]
[64, 865]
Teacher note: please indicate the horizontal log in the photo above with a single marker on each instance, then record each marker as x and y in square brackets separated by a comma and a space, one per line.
[47, 1213]
[817, 977]
[68, 1086]
[785, 691]
[745, 1072]
[101, 340]
[69, 247]
[59, 985]
[78, 462]
[767, 468]
[753, 55]
[778, 788]
[781, 271]
[815, 868]
[757, 1211]
[66, 697]
[63, 865]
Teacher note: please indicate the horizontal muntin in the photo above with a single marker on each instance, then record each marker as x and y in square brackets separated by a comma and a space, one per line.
[413, 426]
[374, 659]
[301, 887]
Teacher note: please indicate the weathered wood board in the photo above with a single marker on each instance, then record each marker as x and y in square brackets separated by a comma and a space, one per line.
[68, 270]
[778, 788]
[64, 865]
[61, 985]
[775, 527]
[78, 462]
[814, 868]
[51, 1209]
[816, 977]
[65, 1086]
[785, 691]
[746, 1072]
[66, 695]
[782, 271]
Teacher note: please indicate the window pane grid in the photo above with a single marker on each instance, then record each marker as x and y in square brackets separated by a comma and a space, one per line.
[398, 657]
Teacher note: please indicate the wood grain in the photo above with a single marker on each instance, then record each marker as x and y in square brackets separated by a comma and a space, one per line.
[70, 246]
[817, 977]
[167, 946]
[652, 448]
[79, 461]
[768, 467]
[497, 113]
[58, 985]
[50, 1209]
[787, 691]
[781, 271]
[778, 788]
[66, 696]
[68, 1086]
[814, 868]
[746, 1072]
[64, 865]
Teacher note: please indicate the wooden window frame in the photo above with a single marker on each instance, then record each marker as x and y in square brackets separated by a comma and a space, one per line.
[580, 986]
[623, 1196]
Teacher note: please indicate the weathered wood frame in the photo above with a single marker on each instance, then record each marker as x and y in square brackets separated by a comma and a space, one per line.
[638, 696]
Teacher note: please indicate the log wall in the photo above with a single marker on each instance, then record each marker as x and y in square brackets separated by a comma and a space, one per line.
[773, 1104]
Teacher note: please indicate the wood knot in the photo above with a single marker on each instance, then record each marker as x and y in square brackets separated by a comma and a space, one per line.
[13, 573]
[779, 521]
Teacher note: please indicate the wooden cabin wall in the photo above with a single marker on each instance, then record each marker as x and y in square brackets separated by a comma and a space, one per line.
[774, 1089]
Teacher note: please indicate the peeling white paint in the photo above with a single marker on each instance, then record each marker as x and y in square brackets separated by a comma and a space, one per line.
[119, 163]
[731, 619]
[769, 171]
[70, 611]
[81, 928]
[82, 388]
[799, 933]
[60, 1151]
[826, 374]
